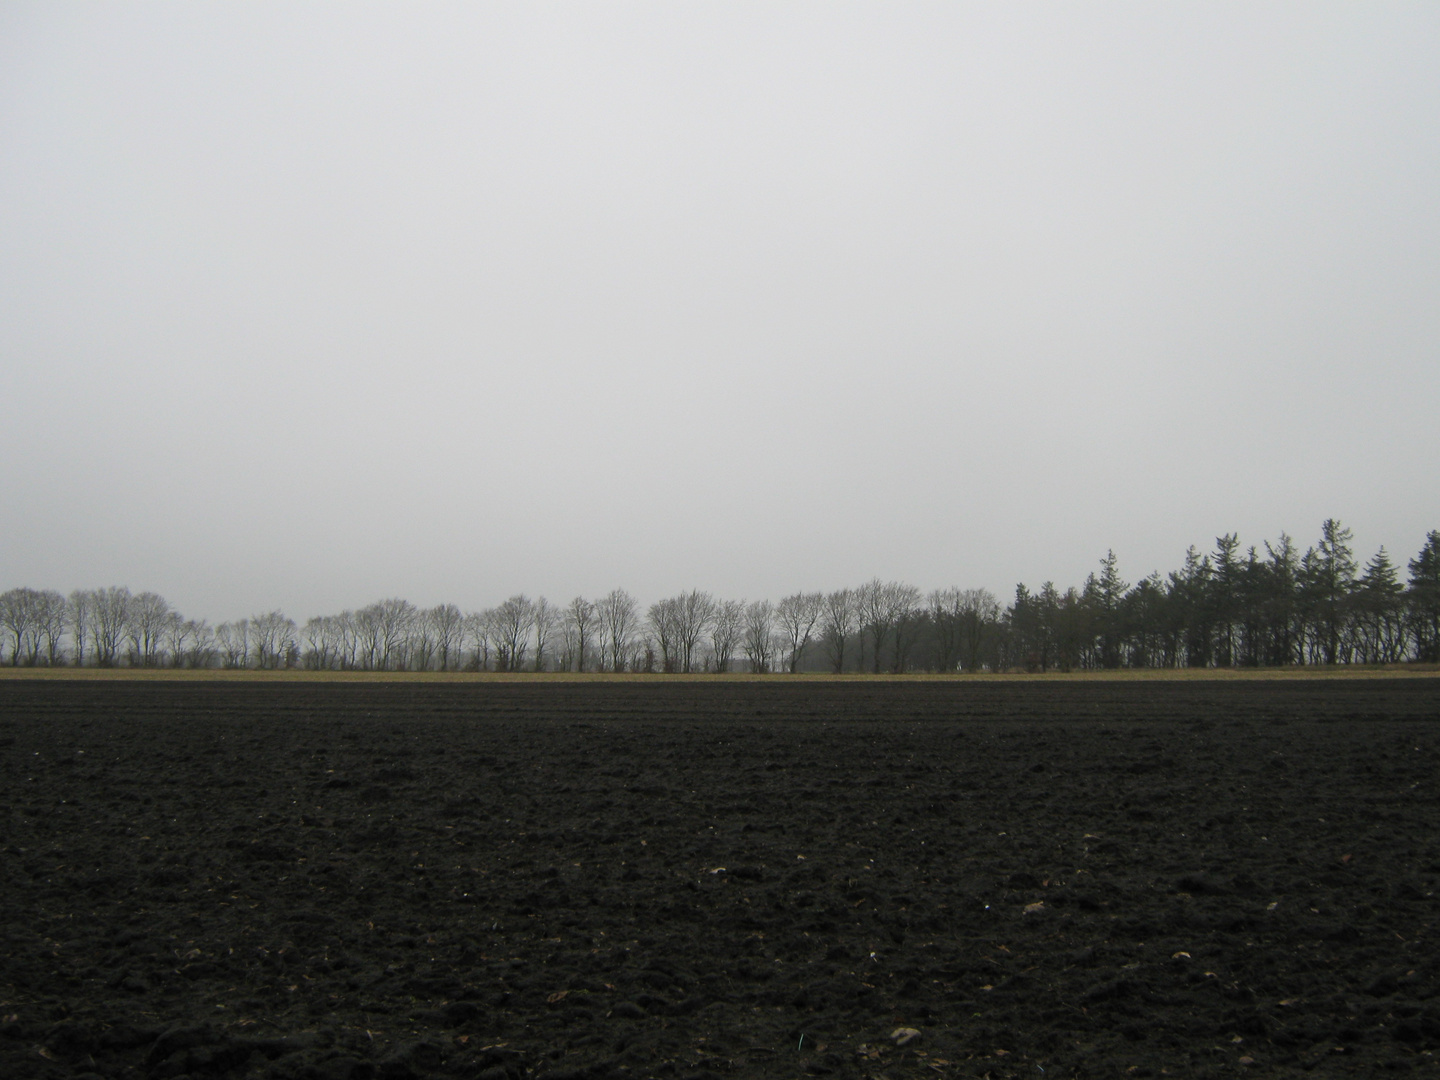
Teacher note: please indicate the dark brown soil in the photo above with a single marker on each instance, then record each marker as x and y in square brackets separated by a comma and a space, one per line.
[1045, 879]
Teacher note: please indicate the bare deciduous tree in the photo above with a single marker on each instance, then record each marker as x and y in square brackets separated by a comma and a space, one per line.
[348, 638]
[323, 643]
[619, 618]
[233, 640]
[581, 618]
[476, 640]
[176, 635]
[148, 613]
[51, 613]
[884, 607]
[419, 648]
[272, 638]
[365, 624]
[34, 620]
[447, 624]
[873, 618]
[109, 615]
[903, 605]
[565, 658]
[694, 612]
[510, 628]
[201, 651]
[395, 617]
[381, 631]
[546, 616]
[837, 623]
[727, 623]
[797, 616]
[663, 619]
[17, 618]
[944, 624]
[77, 614]
[760, 635]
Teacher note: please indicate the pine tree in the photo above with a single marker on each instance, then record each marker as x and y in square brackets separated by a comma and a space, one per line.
[1424, 599]
[1225, 599]
[1190, 593]
[1334, 581]
[1105, 596]
[1380, 606]
[1281, 602]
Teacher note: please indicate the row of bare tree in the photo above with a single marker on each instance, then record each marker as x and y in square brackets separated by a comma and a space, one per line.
[691, 632]
[874, 627]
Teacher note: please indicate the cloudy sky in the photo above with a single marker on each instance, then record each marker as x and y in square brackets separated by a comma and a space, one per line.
[304, 305]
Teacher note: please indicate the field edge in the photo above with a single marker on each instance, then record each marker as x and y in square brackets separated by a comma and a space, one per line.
[1335, 672]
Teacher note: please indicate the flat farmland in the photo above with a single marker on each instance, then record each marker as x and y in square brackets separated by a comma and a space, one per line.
[733, 878]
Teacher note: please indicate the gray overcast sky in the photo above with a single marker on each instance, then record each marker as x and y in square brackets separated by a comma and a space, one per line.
[303, 305]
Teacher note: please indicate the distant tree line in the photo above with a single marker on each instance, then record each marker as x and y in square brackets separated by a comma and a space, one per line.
[1227, 608]
[1238, 609]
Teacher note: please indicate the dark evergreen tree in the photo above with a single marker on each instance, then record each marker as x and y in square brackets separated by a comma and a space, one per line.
[1190, 593]
[1380, 629]
[1146, 620]
[1073, 620]
[1225, 599]
[1026, 639]
[1105, 596]
[1423, 599]
[1250, 610]
[1048, 623]
[1332, 581]
[1281, 603]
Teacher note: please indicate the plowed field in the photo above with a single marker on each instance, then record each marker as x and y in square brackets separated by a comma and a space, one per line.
[735, 879]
